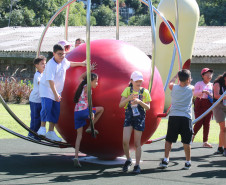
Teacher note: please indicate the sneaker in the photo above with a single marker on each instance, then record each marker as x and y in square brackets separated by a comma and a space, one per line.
[224, 154]
[127, 165]
[219, 152]
[42, 131]
[187, 166]
[136, 169]
[77, 163]
[52, 136]
[164, 164]
[33, 137]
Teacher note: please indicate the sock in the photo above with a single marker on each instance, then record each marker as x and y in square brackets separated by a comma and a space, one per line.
[188, 162]
[166, 159]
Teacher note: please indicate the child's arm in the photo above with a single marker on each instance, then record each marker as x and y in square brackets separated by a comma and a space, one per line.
[125, 100]
[56, 95]
[145, 105]
[172, 82]
[77, 64]
[83, 75]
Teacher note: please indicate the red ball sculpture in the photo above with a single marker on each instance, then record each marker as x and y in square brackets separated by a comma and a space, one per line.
[116, 60]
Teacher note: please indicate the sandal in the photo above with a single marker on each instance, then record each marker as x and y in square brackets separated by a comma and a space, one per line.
[207, 145]
[77, 163]
[88, 130]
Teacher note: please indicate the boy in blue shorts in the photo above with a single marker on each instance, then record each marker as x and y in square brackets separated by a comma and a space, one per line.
[180, 116]
[50, 89]
[34, 99]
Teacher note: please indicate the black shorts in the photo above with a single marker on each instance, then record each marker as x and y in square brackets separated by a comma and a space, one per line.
[179, 125]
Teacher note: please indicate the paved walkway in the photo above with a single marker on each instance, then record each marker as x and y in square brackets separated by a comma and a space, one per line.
[25, 163]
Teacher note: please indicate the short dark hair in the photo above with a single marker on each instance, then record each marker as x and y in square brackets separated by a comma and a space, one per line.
[39, 59]
[184, 75]
[58, 47]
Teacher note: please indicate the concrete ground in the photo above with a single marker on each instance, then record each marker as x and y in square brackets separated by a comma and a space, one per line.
[25, 163]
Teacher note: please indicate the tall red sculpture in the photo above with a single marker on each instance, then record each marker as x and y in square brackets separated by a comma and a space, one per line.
[116, 60]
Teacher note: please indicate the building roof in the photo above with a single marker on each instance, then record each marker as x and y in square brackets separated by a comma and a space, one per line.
[210, 41]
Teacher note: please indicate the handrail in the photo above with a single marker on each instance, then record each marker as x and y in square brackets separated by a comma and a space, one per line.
[27, 128]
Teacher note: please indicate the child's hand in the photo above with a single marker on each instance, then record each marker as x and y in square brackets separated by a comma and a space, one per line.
[93, 66]
[130, 97]
[206, 92]
[136, 101]
[58, 98]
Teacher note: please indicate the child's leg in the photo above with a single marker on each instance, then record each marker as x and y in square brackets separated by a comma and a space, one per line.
[187, 150]
[99, 112]
[78, 141]
[206, 127]
[137, 139]
[168, 146]
[222, 135]
[37, 116]
[43, 123]
[126, 138]
[51, 126]
[32, 123]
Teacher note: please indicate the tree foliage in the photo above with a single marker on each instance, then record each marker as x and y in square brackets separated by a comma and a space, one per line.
[213, 12]
[39, 12]
[104, 16]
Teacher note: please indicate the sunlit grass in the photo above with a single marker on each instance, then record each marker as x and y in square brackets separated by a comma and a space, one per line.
[23, 112]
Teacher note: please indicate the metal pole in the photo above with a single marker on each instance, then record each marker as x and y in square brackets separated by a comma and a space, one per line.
[197, 119]
[10, 13]
[174, 48]
[153, 44]
[66, 22]
[117, 19]
[49, 23]
[170, 29]
[88, 65]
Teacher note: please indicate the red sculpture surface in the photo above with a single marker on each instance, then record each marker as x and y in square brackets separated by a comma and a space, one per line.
[116, 60]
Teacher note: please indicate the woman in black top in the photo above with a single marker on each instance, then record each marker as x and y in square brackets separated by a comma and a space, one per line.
[220, 111]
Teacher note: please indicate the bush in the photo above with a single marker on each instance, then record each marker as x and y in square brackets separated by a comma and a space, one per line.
[14, 90]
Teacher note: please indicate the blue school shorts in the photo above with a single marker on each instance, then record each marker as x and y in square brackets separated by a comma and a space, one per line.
[81, 116]
[50, 110]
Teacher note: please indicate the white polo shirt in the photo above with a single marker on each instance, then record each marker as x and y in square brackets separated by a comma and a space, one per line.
[34, 96]
[56, 72]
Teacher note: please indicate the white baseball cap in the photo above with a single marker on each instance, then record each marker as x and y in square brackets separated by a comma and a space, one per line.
[136, 75]
[64, 43]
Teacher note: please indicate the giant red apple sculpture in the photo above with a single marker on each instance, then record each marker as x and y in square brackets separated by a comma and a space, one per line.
[116, 60]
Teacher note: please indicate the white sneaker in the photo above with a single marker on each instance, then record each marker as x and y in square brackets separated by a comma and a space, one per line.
[42, 131]
[52, 136]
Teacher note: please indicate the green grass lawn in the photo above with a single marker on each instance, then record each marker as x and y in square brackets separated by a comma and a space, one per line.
[23, 112]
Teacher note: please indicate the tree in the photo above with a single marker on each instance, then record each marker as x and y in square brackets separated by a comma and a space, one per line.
[109, 3]
[104, 16]
[140, 20]
[77, 15]
[213, 11]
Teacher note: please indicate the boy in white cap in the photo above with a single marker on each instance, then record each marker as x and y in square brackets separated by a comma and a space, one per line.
[135, 99]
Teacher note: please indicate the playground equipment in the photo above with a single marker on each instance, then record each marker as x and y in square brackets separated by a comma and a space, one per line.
[116, 61]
